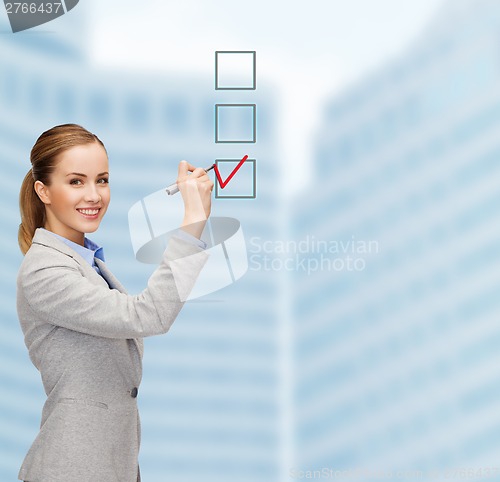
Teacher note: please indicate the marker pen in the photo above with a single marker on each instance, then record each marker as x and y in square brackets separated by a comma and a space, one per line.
[173, 188]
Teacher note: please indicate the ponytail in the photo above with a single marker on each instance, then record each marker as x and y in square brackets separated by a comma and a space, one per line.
[32, 212]
[44, 156]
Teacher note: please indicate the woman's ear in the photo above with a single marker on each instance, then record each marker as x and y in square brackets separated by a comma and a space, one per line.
[42, 191]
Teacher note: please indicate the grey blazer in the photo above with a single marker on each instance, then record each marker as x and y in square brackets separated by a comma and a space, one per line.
[84, 334]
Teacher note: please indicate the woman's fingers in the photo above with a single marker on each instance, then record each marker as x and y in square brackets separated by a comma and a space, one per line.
[208, 183]
[199, 173]
[184, 168]
[196, 189]
[187, 171]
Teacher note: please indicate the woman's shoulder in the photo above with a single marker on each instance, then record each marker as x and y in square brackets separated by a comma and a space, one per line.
[45, 251]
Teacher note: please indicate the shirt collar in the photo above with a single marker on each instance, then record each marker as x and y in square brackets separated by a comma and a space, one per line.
[88, 251]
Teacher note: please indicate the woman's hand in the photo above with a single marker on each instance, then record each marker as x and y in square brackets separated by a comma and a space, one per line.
[196, 190]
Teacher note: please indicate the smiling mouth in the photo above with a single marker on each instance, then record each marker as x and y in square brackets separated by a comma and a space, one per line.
[91, 213]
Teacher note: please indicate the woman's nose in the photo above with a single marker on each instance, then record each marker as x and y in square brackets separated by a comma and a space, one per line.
[91, 194]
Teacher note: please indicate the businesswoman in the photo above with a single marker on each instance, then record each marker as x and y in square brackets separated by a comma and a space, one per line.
[83, 331]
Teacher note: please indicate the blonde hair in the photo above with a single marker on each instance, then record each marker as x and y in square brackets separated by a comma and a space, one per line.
[43, 158]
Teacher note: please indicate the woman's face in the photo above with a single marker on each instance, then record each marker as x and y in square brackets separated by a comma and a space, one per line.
[78, 194]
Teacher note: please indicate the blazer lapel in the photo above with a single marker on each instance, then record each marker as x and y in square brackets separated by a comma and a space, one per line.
[109, 276]
[115, 284]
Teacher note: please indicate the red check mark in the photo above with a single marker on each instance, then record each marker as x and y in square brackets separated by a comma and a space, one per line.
[222, 183]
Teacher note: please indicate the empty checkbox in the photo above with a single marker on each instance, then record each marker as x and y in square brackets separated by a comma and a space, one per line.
[235, 123]
[235, 70]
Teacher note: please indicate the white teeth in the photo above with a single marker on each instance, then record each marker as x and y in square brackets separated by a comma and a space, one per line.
[89, 212]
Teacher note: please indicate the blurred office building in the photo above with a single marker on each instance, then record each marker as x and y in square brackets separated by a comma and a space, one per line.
[396, 304]
[210, 392]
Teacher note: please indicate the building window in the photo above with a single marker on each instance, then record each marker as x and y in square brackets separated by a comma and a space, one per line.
[36, 96]
[176, 116]
[9, 83]
[65, 102]
[99, 106]
[137, 113]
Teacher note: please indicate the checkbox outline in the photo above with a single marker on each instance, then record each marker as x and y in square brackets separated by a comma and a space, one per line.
[254, 124]
[254, 80]
[254, 180]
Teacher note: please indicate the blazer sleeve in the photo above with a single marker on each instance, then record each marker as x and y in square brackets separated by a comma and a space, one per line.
[52, 289]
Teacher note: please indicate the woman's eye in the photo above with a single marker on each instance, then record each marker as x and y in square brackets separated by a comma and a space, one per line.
[103, 180]
[75, 182]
